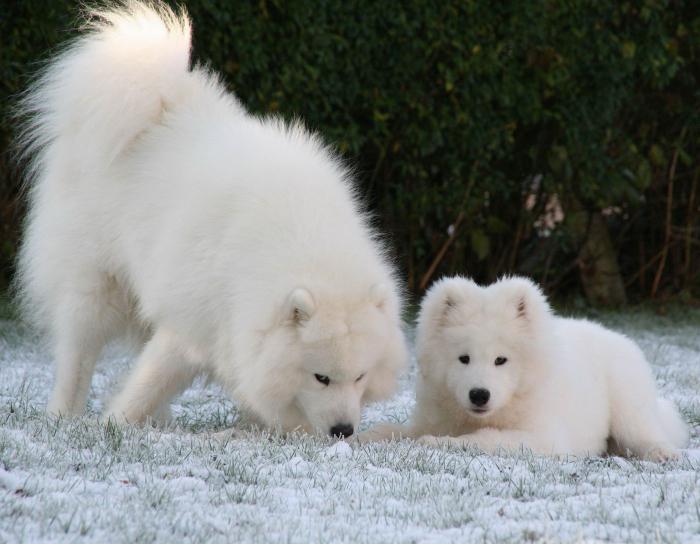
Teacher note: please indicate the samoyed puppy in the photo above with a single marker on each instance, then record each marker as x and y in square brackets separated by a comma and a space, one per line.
[498, 370]
[233, 244]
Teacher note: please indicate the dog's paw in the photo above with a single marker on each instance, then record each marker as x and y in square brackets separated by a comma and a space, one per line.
[366, 437]
[661, 454]
[223, 436]
[434, 441]
[113, 418]
[382, 432]
[162, 418]
[358, 439]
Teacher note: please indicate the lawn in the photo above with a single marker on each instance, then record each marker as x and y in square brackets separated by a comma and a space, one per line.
[62, 479]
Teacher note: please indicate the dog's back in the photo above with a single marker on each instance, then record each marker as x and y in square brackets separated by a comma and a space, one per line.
[158, 203]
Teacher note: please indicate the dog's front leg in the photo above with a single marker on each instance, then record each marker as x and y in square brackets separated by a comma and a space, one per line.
[488, 440]
[384, 431]
[163, 370]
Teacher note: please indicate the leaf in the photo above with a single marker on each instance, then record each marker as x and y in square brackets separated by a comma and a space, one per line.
[643, 178]
[656, 154]
[480, 244]
[629, 50]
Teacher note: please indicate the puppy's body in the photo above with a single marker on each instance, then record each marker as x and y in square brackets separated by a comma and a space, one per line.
[233, 244]
[556, 386]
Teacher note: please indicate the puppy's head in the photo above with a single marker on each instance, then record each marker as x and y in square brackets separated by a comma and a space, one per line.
[481, 345]
[325, 358]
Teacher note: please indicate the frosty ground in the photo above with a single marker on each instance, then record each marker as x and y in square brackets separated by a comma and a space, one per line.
[61, 480]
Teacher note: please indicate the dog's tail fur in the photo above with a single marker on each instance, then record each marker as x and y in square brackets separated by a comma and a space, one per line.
[673, 424]
[104, 89]
[89, 104]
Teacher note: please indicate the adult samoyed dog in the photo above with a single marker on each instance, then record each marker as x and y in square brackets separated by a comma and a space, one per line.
[233, 245]
[498, 370]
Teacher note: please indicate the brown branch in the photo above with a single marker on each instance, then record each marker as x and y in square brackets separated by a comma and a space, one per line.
[516, 244]
[669, 208]
[451, 238]
[568, 269]
[689, 229]
[649, 263]
[548, 264]
[441, 254]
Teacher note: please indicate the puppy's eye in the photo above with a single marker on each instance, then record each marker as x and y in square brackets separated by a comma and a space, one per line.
[325, 380]
[464, 359]
[360, 377]
[501, 361]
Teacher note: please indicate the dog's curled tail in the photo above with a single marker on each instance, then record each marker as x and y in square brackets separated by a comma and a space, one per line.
[673, 424]
[104, 89]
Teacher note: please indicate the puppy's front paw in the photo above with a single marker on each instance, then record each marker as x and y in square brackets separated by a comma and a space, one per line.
[434, 441]
[381, 432]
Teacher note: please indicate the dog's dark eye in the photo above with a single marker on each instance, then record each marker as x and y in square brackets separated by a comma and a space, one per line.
[464, 359]
[501, 361]
[360, 377]
[325, 380]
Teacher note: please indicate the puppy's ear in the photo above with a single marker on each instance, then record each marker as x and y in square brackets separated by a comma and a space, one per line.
[443, 299]
[525, 299]
[300, 306]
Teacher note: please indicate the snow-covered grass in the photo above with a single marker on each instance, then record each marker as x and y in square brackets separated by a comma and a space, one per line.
[60, 480]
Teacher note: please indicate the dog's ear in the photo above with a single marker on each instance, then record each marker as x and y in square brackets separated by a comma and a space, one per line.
[525, 299]
[383, 378]
[300, 306]
[443, 299]
[386, 300]
[379, 295]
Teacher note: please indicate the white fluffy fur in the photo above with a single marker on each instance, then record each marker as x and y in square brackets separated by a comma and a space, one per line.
[231, 244]
[568, 386]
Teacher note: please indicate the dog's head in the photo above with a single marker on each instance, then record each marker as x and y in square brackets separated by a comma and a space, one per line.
[480, 344]
[324, 359]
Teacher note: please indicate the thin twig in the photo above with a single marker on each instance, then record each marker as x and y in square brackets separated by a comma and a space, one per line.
[451, 238]
[649, 264]
[689, 229]
[669, 208]
[568, 269]
[443, 250]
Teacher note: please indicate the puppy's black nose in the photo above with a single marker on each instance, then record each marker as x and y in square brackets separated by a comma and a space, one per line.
[479, 397]
[342, 430]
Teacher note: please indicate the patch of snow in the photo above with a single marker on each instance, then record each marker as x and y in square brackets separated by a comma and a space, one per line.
[61, 480]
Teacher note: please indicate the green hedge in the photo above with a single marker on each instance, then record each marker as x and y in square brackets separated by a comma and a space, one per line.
[455, 112]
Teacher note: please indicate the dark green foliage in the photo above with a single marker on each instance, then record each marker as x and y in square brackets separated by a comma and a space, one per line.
[453, 112]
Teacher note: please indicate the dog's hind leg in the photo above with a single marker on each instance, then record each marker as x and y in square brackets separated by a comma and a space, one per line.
[642, 435]
[636, 425]
[76, 352]
[639, 431]
[81, 326]
[164, 369]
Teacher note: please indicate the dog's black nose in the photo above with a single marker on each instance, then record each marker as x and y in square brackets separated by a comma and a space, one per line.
[479, 397]
[342, 430]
